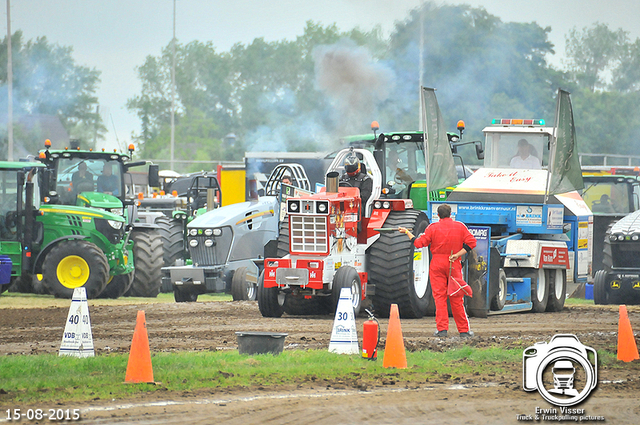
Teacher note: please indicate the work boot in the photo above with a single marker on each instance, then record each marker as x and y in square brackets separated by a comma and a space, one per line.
[441, 334]
[468, 334]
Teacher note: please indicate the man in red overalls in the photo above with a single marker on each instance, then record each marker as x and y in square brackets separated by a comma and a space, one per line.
[449, 240]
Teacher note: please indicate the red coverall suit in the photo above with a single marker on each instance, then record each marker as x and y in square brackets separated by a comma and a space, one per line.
[446, 236]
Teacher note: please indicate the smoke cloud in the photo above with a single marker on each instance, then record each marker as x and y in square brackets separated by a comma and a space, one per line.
[354, 83]
[355, 86]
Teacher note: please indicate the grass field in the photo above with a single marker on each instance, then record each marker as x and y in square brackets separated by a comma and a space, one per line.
[49, 378]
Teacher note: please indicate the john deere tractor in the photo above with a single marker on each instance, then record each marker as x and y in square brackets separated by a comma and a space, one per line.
[60, 247]
[98, 180]
[619, 281]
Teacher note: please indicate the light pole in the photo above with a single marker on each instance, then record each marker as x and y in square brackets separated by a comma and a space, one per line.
[173, 87]
[9, 87]
[421, 67]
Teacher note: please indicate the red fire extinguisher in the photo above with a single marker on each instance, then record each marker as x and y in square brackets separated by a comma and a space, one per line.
[370, 337]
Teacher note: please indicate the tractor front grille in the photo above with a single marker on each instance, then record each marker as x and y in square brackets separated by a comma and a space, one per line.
[309, 233]
[215, 255]
[626, 254]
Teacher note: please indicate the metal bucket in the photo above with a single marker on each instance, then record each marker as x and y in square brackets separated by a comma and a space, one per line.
[260, 342]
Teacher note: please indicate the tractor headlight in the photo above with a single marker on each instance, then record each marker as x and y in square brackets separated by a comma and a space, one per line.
[620, 237]
[116, 211]
[217, 232]
[613, 237]
[115, 224]
[635, 237]
[208, 243]
[193, 232]
[323, 207]
[386, 205]
[193, 243]
[294, 206]
[208, 232]
[377, 204]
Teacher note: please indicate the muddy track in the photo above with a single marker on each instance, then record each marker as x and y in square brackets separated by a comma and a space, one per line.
[209, 326]
[212, 326]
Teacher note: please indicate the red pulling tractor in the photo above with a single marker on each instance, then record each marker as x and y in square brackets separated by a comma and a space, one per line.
[333, 244]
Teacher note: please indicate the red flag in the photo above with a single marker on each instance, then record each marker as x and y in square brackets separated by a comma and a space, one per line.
[455, 286]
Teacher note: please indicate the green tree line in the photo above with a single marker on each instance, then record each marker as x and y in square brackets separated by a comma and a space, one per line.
[304, 94]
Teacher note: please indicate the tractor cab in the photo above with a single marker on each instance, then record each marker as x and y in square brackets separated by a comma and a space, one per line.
[517, 144]
[399, 158]
[612, 194]
[88, 178]
[18, 229]
[77, 174]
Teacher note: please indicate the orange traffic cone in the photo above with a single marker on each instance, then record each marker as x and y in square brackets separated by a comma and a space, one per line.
[394, 354]
[627, 348]
[139, 367]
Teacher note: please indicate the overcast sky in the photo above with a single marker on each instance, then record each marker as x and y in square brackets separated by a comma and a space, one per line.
[115, 36]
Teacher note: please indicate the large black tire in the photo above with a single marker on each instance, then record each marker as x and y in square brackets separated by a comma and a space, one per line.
[500, 298]
[172, 244]
[147, 259]
[539, 290]
[347, 277]
[172, 239]
[391, 268]
[270, 300]
[600, 294]
[241, 289]
[22, 284]
[38, 286]
[185, 295]
[73, 264]
[118, 286]
[283, 237]
[30, 283]
[557, 279]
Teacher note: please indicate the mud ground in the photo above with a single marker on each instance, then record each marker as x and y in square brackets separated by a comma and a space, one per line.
[212, 326]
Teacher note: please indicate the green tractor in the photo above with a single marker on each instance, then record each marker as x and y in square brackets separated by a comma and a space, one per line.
[101, 181]
[404, 170]
[59, 247]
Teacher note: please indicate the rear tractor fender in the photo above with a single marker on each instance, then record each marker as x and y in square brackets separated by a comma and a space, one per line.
[37, 264]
